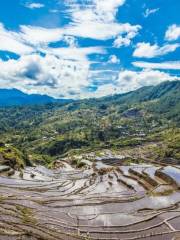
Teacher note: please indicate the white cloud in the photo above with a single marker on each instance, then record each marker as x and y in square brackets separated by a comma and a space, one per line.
[148, 12]
[174, 65]
[98, 30]
[131, 80]
[126, 40]
[69, 78]
[99, 10]
[104, 90]
[107, 9]
[61, 71]
[71, 41]
[12, 42]
[113, 59]
[74, 53]
[97, 20]
[120, 41]
[173, 32]
[38, 35]
[147, 50]
[49, 74]
[67, 70]
[28, 39]
[34, 5]
[32, 39]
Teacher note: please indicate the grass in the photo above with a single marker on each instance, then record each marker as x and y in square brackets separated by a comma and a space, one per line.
[13, 156]
[164, 193]
[27, 215]
[78, 163]
[2, 198]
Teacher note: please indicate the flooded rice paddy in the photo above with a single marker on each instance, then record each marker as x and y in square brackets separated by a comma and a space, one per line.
[101, 202]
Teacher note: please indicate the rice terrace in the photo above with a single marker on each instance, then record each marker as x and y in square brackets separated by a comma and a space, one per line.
[89, 120]
[106, 201]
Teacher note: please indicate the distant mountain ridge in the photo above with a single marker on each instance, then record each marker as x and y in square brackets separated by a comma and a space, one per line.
[15, 97]
[123, 120]
[147, 93]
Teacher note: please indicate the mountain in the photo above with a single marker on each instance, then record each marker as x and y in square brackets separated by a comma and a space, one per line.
[149, 114]
[143, 94]
[14, 97]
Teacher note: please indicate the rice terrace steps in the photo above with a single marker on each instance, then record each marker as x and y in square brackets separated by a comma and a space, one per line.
[100, 202]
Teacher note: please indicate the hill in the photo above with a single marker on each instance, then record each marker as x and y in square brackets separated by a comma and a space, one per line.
[124, 121]
[14, 97]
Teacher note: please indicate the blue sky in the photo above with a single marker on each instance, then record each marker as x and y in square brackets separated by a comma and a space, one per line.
[88, 48]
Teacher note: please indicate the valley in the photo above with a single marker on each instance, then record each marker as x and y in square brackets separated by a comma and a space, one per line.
[105, 168]
[89, 120]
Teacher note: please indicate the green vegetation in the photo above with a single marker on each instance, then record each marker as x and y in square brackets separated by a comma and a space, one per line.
[169, 145]
[12, 157]
[47, 132]
[26, 214]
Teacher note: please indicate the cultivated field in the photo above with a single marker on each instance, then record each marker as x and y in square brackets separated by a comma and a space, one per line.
[104, 201]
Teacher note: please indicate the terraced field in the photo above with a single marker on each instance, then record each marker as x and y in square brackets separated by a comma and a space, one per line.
[100, 202]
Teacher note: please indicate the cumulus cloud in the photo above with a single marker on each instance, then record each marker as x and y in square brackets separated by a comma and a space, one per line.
[53, 61]
[69, 78]
[49, 74]
[173, 32]
[100, 10]
[60, 70]
[131, 80]
[147, 50]
[131, 32]
[173, 65]
[107, 9]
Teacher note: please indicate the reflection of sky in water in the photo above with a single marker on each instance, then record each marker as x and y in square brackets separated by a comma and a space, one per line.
[100, 165]
[130, 207]
[151, 171]
[117, 219]
[98, 215]
[140, 168]
[173, 173]
[122, 213]
[158, 202]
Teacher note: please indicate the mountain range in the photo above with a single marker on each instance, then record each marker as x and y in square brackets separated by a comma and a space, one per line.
[47, 131]
[15, 97]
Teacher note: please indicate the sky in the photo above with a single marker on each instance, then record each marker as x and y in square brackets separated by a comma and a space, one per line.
[88, 48]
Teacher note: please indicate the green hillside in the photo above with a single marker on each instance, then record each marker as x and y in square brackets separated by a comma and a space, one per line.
[47, 132]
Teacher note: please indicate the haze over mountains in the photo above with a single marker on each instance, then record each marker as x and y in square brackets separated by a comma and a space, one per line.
[14, 97]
